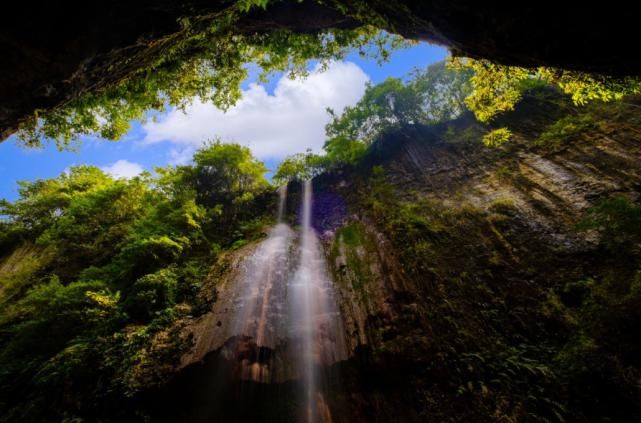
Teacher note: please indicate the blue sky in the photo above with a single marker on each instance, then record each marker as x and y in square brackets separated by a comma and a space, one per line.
[274, 120]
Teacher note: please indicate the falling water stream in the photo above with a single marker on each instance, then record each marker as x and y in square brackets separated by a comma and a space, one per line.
[261, 308]
[286, 320]
[315, 322]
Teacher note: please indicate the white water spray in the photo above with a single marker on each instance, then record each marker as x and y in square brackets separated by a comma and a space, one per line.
[285, 309]
[315, 325]
[282, 202]
[261, 316]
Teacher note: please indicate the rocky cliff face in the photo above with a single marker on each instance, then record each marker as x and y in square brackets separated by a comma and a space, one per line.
[466, 287]
[462, 267]
[545, 189]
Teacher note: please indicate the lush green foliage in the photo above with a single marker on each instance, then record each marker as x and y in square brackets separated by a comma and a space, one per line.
[110, 265]
[497, 137]
[385, 105]
[301, 166]
[497, 88]
[565, 130]
[206, 60]
[430, 96]
[227, 173]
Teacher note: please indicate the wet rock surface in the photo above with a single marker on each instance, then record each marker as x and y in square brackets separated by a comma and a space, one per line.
[460, 293]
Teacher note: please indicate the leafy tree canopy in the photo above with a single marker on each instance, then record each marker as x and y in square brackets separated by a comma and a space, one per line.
[108, 265]
[435, 94]
[227, 171]
[428, 96]
[301, 166]
[206, 60]
[497, 88]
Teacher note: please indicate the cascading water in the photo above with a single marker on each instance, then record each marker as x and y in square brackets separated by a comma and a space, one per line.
[315, 324]
[282, 202]
[261, 309]
[286, 328]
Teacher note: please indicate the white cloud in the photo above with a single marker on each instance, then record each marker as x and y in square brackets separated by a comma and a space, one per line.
[181, 155]
[273, 126]
[123, 169]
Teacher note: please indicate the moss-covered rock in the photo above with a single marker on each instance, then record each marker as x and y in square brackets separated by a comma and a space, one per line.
[464, 268]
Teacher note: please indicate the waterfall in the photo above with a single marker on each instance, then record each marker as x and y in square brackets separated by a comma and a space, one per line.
[282, 202]
[286, 327]
[315, 324]
[260, 318]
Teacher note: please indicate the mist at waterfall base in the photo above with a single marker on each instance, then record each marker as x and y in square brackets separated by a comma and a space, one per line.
[285, 337]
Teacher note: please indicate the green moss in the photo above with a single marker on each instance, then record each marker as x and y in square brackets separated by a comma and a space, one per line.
[504, 206]
[505, 174]
[352, 243]
[565, 130]
[351, 235]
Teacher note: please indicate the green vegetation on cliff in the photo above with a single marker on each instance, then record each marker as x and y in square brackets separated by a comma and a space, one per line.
[96, 271]
[497, 88]
[207, 60]
[502, 279]
[446, 90]
[429, 96]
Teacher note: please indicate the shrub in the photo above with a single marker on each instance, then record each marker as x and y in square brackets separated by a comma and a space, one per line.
[618, 220]
[497, 137]
[147, 254]
[565, 129]
[152, 293]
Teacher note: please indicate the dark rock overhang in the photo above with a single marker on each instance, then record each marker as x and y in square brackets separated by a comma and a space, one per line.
[52, 51]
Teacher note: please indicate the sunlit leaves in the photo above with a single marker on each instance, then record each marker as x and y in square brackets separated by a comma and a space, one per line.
[497, 137]
[116, 262]
[497, 88]
[585, 87]
[301, 166]
[207, 60]
[429, 96]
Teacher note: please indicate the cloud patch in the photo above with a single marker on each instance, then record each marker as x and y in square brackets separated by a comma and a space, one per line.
[123, 169]
[290, 120]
